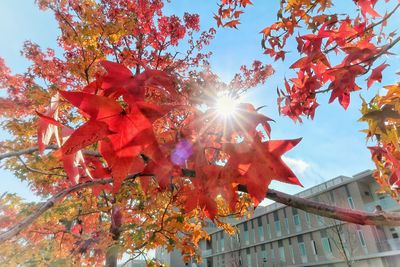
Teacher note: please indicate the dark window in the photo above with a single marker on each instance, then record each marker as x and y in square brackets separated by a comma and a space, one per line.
[280, 243]
[347, 190]
[259, 221]
[284, 213]
[295, 211]
[263, 247]
[276, 217]
[395, 235]
[323, 233]
[332, 196]
[300, 239]
[245, 226]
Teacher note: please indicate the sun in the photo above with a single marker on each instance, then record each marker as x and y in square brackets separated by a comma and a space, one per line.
[226, 106]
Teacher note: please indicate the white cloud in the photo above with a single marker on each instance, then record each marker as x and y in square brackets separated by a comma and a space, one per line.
[297, 165]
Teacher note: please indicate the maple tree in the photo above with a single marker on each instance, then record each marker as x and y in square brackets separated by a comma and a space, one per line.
[133, 150]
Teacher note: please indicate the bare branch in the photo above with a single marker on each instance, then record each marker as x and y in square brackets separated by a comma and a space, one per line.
[334, 212]
[24, 151]
[35, 148]
[39, 171]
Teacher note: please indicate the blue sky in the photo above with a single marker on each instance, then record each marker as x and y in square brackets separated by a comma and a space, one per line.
[332, 144]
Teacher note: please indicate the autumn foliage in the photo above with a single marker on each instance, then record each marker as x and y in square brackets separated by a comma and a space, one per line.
[121, 108]
[335, 51]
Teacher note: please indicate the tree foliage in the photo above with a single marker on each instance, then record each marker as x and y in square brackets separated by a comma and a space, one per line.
[338, 53]
[131, 135]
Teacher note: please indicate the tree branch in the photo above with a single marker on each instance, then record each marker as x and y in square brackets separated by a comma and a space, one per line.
[333, 212]
[322, 209]
[16, 229]
[35, 148]
[24, 151]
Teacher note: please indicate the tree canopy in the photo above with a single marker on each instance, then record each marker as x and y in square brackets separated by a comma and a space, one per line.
[136, 144]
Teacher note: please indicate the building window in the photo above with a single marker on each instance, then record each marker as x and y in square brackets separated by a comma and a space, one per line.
[253, 230]
[246, 234]
[255, 256]
[302, 249]
[326, 242]
[394, 233]
[264, 257]
[286, 221]
[248, 256]
[222, 242]
[320, 220]
[308, 219]
[351, 203]
[222, 260]
[361, 238]
[272, 253]
[269, 230]
[287, 225]
[291, 252]
[260, 232]
[326, 245]
[281, 250]
[278, 228]
[314, 247]
[331, 194]
[277, 223]
[296, 219]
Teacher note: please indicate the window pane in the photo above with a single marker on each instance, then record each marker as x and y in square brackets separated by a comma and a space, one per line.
[296, 219]
[308, 219]
[287, 224]
[314, 247]
[282, 254]
[351, 203]
[302, 249]
[278, 226]
[261, 233]
[246, 237]
[326, 245]
[361, 237]
[320, 220]
[291, 253]
[248, 260]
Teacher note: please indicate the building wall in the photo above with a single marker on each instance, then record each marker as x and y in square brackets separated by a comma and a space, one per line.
[296, 238]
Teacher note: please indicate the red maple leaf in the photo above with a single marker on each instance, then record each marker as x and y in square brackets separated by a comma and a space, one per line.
[108, 120]
[259, 163]
[376, 74]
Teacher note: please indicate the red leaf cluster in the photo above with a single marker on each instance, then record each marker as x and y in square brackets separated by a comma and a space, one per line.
[123, 114]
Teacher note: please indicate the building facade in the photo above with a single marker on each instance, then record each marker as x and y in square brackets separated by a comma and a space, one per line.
[278, 235]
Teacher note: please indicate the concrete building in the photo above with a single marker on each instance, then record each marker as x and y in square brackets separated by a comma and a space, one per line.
[279, 236]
